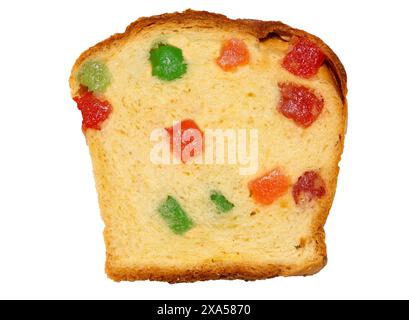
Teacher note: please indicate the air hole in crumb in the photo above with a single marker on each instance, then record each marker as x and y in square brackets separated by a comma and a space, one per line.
[122, 132]
[301, 244]
[339, 140]
[251, 94]
[271, 35]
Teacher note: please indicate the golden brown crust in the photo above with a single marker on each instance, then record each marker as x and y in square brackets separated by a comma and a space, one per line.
[262, 30]
[230, 272]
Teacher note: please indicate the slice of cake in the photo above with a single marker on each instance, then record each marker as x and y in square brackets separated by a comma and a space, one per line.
[215, 145]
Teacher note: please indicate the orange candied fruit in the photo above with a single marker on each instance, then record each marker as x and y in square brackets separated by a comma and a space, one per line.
[269, 187]
[234, 53]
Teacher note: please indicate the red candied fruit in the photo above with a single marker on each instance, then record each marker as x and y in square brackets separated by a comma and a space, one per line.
[94, 111]
[195, 143]
[234, 53]
[304, 59]
[269, 187]
[300, 104]
[309, 186]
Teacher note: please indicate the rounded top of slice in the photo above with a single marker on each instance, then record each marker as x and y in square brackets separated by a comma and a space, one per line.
[201, 19]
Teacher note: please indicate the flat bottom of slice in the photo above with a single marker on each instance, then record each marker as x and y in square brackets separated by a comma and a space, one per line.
[248, 272]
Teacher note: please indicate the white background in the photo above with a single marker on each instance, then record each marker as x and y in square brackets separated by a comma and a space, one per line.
[51, 243]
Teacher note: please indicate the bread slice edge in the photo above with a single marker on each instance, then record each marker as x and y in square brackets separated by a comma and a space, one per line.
[262, 30]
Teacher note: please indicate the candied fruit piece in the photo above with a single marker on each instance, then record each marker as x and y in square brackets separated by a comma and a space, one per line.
[234, 53]
[269, 187]
[222, 204]
[300, 104]
[94, 75]
[94, 111]
[304, 58]
[309, 186]
[174, 215]
[167, 62]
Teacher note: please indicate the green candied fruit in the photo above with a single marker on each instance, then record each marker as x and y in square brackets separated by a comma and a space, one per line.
[167, 62]
[94, 75]
[176, 218]
[221, 202]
